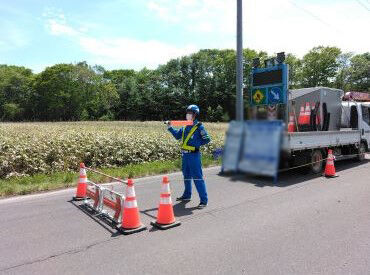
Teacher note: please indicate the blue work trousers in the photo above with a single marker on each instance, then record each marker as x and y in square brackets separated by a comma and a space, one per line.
[192, 170]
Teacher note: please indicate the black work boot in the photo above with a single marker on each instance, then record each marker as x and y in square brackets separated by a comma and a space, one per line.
[183, 199]
[201, 205]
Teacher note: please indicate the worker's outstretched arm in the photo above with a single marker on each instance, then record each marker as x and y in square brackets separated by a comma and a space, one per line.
[176, 133]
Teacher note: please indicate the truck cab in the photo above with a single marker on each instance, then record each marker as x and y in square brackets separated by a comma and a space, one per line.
[356, 115]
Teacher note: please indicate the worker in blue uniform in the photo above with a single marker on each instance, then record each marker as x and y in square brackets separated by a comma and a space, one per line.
[192, 137]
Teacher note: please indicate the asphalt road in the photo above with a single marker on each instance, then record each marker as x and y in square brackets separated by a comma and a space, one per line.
[304, 225]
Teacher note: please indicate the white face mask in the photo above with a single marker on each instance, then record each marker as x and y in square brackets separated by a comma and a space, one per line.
[189, 117]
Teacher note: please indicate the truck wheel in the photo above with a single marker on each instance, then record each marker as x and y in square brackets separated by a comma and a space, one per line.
[361, 151]
[316, 162]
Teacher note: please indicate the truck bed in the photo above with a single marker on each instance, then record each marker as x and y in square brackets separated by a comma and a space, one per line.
[310, 140]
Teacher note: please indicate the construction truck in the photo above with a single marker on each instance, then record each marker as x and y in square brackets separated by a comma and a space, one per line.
[325, 118]
[312, 120]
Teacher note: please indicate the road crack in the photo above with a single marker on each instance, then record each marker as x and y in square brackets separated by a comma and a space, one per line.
[68, 252]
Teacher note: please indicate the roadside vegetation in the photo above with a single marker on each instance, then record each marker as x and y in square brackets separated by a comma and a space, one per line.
[74, 92]
[45, 156]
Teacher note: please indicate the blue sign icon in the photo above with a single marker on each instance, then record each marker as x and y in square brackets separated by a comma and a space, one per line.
[275, 95]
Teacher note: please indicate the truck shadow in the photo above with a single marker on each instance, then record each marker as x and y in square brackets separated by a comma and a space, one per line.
[291, 177]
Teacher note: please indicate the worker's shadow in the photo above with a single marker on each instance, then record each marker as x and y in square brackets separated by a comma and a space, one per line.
[181, 210]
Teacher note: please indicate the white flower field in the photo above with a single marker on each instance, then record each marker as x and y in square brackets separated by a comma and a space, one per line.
[45, 147]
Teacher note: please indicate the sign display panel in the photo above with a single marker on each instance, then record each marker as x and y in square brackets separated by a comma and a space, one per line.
[269, 85]
[268, 77]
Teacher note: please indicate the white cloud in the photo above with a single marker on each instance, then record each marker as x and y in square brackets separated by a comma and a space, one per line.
[161, 10]
[117, 51]
[270, 25]
[56, 23]
[60, 28]
[132, 53]
[196, 15]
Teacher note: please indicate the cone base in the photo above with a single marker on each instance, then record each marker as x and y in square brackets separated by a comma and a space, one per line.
[75, 198]
[331, 176]
[125, 231]
[165, 226]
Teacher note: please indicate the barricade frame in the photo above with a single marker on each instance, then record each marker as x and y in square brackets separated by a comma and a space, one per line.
[97, 201]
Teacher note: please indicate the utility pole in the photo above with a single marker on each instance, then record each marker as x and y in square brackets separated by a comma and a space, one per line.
[239, 62]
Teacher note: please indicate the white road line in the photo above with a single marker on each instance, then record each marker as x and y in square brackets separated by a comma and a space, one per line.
[140, 181]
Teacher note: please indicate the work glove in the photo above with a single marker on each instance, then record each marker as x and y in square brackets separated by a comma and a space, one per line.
[168, 124]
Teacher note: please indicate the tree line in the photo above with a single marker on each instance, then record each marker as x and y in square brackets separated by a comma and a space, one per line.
[71, 92]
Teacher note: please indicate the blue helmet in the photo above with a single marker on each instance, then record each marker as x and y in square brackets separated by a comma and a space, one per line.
[193, 108]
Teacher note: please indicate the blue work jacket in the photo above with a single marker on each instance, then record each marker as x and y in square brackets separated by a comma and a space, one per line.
[199, 138]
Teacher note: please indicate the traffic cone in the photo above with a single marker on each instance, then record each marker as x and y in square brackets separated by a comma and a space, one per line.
[165, 216]
[329, 167]
[307, 114]
[301, 116]
[81, 184]
[291, 124]
[130, 217]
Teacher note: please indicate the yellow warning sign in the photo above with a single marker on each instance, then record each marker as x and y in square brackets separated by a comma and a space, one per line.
[259, 96]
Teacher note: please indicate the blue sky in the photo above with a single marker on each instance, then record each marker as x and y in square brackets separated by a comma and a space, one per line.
[146, 33]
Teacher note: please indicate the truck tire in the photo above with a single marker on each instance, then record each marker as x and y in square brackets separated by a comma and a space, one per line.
[316, 161]
[361, 151]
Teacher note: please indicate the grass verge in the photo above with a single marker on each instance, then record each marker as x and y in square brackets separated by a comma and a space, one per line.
[46, 182]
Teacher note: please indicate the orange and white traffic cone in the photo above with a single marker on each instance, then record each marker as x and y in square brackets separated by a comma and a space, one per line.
[301, 116]
[130, 217]
[307, 114]
[329, 168]
[165, 217]
[291, 124]
[81, 184]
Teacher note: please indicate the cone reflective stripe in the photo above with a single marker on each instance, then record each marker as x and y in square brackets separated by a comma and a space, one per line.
[301, 115]
[130, 218]
[81, 184]
[307, 114]
[166, 199]
[165, 217]
[329, 167]
[130, 203]
[291, 124]
[166, 188]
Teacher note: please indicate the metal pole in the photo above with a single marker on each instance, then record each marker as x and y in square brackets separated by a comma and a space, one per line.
[239, 62]
[101, 173]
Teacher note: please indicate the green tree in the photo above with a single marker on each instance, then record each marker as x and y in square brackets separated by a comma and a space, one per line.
[342, 79]
[295, 71]
[359, 72]
[320, 66]
[15, 92]
[68, 92]
[11, 112]
[206, 78]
